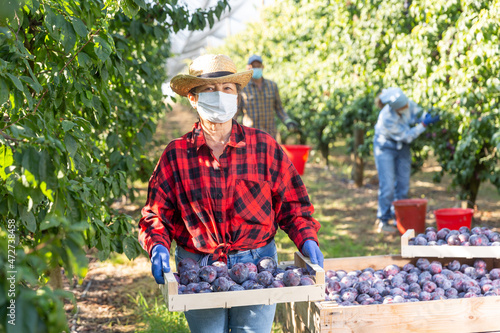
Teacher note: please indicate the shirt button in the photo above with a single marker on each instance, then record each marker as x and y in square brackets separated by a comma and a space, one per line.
[219, 195]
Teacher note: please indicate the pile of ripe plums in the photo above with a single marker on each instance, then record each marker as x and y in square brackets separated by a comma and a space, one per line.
[478, 236]
[423, 281]
[217, 277]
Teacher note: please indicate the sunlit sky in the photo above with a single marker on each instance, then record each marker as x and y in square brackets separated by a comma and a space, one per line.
[187, 45]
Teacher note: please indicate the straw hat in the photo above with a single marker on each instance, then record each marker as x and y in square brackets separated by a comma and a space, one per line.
[209, 68]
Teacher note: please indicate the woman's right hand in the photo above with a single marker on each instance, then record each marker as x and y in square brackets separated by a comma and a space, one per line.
[160, 262]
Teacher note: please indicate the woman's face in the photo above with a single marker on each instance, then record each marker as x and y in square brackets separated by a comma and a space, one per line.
[228, 88]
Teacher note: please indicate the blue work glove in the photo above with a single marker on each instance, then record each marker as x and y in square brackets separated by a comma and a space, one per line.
[429, 119]
[311, 250]
[160, 262]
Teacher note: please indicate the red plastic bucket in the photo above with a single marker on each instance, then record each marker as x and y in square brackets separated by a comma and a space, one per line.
[410, 214]
[453, 218]
[298, 154]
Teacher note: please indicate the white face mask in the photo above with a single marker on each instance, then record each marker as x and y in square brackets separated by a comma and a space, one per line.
[217, 107]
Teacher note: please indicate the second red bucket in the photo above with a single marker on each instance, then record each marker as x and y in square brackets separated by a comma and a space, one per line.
[410, 214]
[453, 218]
[298, 154]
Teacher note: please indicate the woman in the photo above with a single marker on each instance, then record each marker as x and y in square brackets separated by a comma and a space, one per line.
[220, 191]
[391, 145]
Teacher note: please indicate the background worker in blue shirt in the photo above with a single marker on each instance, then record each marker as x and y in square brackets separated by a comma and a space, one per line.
[399, 123]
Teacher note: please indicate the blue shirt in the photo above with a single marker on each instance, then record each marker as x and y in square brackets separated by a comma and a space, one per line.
[392, 126]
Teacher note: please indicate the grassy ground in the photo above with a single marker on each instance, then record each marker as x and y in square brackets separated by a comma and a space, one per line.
[123, 297]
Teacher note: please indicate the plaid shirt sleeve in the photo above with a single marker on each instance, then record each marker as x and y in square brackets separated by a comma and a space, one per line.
[156, 224]
[293, 207]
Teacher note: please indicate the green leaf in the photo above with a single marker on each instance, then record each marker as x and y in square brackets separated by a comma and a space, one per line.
[16, 81]
[97, 104]
[47, 172]
[30, 161]
[71, 144]
[69, 36]
[4, 91]
[50, 20]
[112, 140]
[130, 8]
[210, 18]
[115, 157]
[35, 85]
[141, 3]
[79, 26]
[141, 138]
[80, 226]
[130, 248]
[102, 48]
[67, 125]
[50, 223]
[6, 160]
[28, 219]
[115, 187]
[84, 60]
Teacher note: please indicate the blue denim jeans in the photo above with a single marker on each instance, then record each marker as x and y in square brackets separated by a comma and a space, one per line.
[394, 169]
[251, 319]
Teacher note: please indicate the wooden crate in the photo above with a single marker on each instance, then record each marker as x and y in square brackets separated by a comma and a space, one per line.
[479, 314]
[445, 251]
[230, 299]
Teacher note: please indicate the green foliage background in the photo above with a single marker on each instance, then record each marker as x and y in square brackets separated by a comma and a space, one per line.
[80, 95]
[331, 58]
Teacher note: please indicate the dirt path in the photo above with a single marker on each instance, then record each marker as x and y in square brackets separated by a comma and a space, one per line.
[105, 298]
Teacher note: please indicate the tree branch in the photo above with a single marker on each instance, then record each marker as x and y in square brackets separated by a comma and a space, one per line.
[8, 137]
[59, 73]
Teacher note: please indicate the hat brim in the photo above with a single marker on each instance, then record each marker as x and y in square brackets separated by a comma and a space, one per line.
[183, 83]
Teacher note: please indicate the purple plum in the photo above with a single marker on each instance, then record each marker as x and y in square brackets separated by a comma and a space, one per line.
[290, 278]
[187, 264]
[265, 278]
[239, 273]
[266, 264]
[207, 274]
[188, 277]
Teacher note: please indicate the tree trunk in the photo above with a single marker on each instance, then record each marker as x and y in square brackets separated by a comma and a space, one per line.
[323, 146]
[359, 165]
[471, 188]
[55, 278]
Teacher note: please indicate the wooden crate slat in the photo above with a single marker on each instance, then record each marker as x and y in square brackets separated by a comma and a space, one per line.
[445, 251]
[354, 263]
[455, 315]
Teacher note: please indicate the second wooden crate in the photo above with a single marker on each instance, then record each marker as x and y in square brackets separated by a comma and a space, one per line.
[452, 315]
[445, 251]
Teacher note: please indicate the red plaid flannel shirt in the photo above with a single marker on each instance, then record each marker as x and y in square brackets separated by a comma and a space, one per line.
[236, 203]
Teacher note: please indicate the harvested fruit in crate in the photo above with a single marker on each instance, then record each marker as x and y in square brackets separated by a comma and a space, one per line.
[217, 277]
[478, 236]
[424, 281]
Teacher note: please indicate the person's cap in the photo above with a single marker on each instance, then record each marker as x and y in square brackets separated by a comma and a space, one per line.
[209, 68]
[395, 97]
[253, 58]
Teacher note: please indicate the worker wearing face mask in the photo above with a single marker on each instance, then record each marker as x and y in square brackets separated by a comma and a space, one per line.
[261, 101]
[221, 191]
[399, 122]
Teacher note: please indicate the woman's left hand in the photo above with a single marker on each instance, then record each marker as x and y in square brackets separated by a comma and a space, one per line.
[311, 250]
